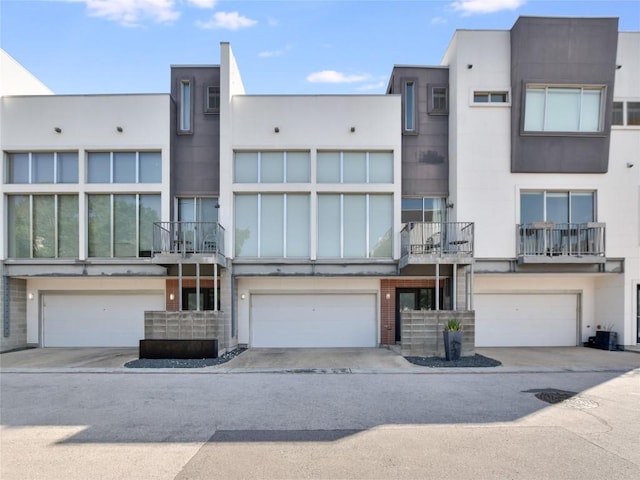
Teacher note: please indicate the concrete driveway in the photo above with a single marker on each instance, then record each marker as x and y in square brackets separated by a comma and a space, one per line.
[365, 359]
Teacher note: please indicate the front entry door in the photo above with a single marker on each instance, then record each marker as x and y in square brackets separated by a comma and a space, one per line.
[414, 299]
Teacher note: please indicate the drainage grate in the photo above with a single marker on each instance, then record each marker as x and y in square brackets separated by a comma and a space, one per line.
[555, 396]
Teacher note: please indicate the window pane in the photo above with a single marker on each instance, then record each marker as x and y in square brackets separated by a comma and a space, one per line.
[633, 113]
[19, 226]
[124, 226]
[207, 211]
[582, 207]
[434, 210]
[380, 226]
[563, 110]
[557, 207]
[18, 168]
[534, 110]
[149, 213]
[272, 167]
[44, 226]
[99, 167]
[186, 210]
[617, 119]
[68, 226]
[246, 226]
[42, 168]
[411, 210]
[354, 225]
[439, 95]
[185, 105]
[328, 167]
[298, 226]
[381, 167]
[150, 167]
[354, 166]
[124, 167]
[409, 107]
[329, 221]
[67, 167]
[498, 97]
[272, 226]
[246, 167]
[590, 111]
[298, 167]
[479, 97]
[99, 225]
[531, 207]
[213, 99]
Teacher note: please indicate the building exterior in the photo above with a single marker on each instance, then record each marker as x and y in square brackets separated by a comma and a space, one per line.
[500, 188]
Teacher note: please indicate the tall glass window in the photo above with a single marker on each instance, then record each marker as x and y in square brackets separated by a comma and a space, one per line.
[409, 107]
[42, 226]
[185, 105]
[555, 109]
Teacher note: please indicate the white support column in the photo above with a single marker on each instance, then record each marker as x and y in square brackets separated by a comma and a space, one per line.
[437, 287]
[180, 287]
[454, 290]
[215, 287]
[197, 287]
[471, 288]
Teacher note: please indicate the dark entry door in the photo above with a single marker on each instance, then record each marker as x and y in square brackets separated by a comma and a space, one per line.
[414, 299]
[638, 312]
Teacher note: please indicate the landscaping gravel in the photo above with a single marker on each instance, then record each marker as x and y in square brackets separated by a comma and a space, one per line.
[183, 363]
[438, 362]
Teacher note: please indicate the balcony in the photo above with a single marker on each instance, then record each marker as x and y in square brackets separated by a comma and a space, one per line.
[195, 240]
[437, 242]
[548, 242]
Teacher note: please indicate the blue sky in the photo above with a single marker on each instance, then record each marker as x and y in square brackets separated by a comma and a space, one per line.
[302, 46]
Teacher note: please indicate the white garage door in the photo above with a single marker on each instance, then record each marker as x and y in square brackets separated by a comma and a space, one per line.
[521, 320]
[95, 319]
[312, 320]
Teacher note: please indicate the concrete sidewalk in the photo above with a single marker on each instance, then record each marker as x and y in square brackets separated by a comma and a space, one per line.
[338, 360]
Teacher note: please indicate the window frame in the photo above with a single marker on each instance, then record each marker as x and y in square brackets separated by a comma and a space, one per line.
[207, 97]
[367, 165]
[57, 169]
[504, 93]
[547, 87]
[431, 89]
[259, 170]
[410, 128]
[185, 108]
[138, 166]
[624, 113]
[568, 192]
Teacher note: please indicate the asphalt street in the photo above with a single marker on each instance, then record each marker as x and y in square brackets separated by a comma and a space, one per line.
[194, 425]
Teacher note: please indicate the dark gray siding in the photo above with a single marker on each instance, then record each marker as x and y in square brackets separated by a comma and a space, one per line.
[195, 156]
[425, 152]
[561, 51]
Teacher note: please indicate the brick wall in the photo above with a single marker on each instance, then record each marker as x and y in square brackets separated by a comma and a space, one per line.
[17, 314]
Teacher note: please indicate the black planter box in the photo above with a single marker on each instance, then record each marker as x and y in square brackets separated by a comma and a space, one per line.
[180, 349]
[452, 344]
[604, 340]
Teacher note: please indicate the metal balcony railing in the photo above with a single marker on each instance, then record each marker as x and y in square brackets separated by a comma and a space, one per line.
[437, 238]
[560, 239]
[188, 237]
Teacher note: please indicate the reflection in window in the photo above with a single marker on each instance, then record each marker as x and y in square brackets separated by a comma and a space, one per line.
[557, 207]
[124, 167]
[42, 167]
[554, 109]
[423, 209]
[272, 167]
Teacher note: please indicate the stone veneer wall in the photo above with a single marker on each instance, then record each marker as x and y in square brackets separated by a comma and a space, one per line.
[17, 314]
[422, 332]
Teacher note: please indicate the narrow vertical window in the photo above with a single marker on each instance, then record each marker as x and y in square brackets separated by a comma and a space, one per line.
[409, 106]
[212, 100]
[617, 112]
[185, 105]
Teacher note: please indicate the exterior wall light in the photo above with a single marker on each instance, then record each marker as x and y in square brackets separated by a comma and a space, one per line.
[243, 296]
[172, 296]
[353, 129]
[57, 129]
[119, 129]
[388, 296]
[276, 129]
[30, 296]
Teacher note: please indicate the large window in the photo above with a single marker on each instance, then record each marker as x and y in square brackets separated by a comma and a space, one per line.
[272, 225]
[355, 226]
[355, 167]
[423, 209]
[122, 225]
[272, 167]
[557, 207]
[561, 109]
[124, 167]
[42, 167]
[42, 226]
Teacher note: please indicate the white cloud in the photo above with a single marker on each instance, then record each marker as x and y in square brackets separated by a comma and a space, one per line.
[133, 12]
[331, 76]
[203, 3]
[228, 21]
[438, 21]
[471, 7]
[275, 53]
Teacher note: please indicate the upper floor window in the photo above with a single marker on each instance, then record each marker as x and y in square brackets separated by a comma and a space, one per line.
[563, 109]
[423, 209]
[491, 97]
[409, 107]
[438, 100]
[42, 226]
[185, 106]
[124, 167]
[212, 100]
[557, 206]
[355, 167]
[272, 167]
[626, 113]
[42, 167]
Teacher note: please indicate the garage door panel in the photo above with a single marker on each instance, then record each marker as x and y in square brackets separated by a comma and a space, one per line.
[96, 320]
[505, 320]
[301, 320]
